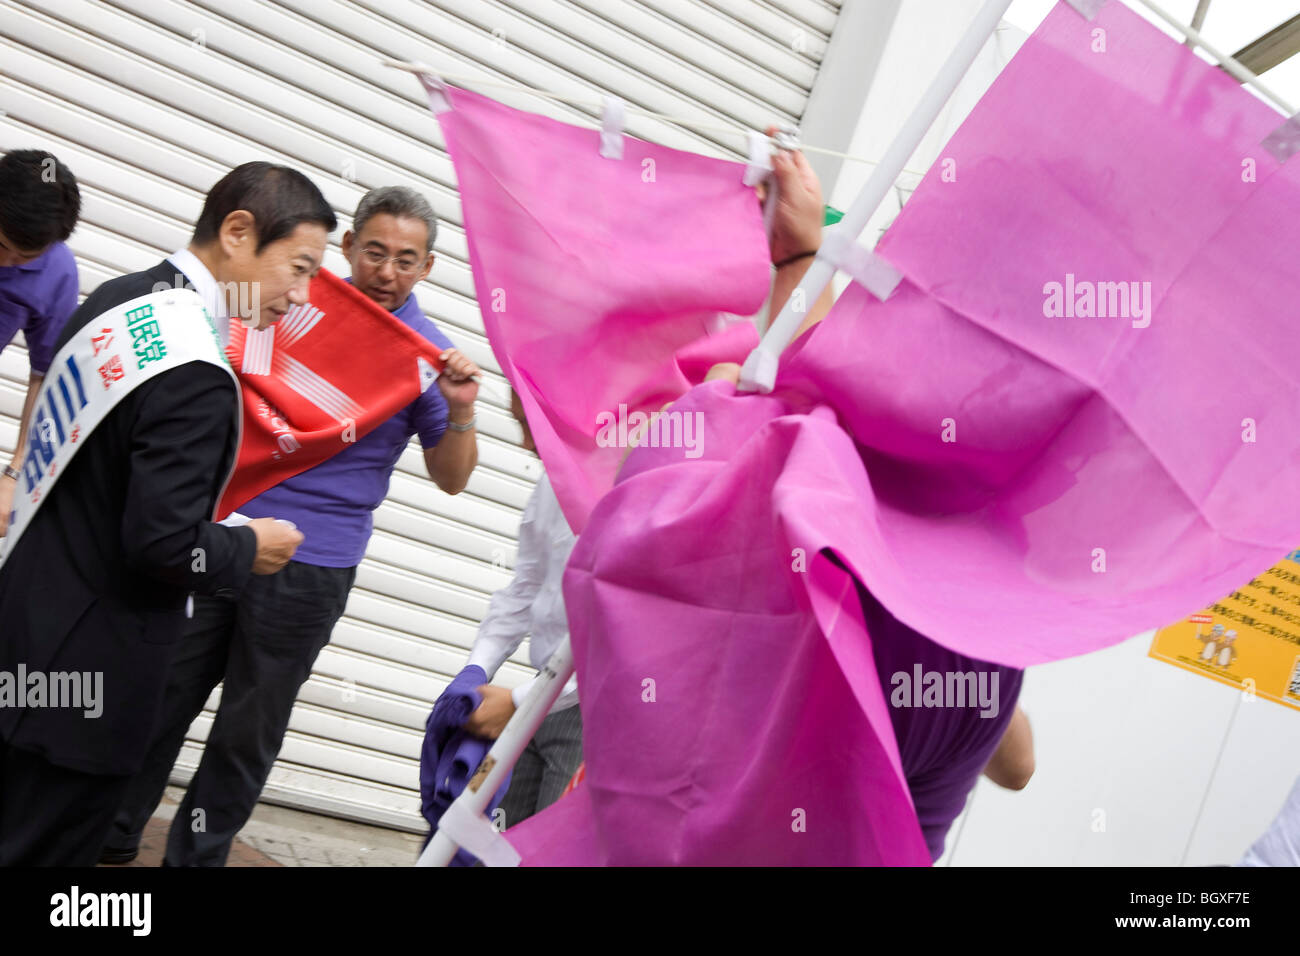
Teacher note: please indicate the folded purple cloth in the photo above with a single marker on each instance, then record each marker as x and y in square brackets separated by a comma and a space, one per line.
[451, 755]
[453, 707]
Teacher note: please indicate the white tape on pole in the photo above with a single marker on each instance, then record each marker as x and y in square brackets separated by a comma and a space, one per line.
[437, 90]
[1088, 9]
[858, 262]
[759, 371]
[1283, 142]
[475, 833]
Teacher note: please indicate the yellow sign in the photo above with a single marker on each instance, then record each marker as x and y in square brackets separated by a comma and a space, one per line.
[1250, 639]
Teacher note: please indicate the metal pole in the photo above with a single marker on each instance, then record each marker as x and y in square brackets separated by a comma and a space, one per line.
[1198, 18]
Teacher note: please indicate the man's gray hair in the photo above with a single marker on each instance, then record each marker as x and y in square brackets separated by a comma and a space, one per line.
[399, 202]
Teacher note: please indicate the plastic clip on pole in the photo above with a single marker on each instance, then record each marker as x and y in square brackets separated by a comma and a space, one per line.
[787, 137]
[612, 120]
[759, 166]
[463, 823]
[759, 371]
[433, 84]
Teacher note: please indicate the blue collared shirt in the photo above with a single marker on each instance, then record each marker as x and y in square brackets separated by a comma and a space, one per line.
[37, 297]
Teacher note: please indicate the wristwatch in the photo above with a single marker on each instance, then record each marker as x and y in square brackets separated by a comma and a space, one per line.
[462, 428]
[12, 472]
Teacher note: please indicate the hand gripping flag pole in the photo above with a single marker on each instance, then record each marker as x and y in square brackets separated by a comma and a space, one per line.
[463, 824]
[759, 372]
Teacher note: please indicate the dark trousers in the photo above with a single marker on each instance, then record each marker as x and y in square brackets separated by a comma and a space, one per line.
[545, 767]
[262, 646]
[50, 815]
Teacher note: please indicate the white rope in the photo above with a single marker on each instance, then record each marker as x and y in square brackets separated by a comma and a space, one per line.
[1193, 35]
[598, 104]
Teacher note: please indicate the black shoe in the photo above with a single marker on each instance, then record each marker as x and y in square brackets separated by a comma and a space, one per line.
[115, 856]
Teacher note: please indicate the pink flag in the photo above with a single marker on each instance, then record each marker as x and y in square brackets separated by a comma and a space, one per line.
[1015, 455]
[601, 281]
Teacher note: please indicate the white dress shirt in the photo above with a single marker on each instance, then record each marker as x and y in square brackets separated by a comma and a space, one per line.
[533, 603]
[209, 291]
[207, 288]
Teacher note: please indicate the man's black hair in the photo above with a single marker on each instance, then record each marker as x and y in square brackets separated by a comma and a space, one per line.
[279, 198]
[39, 199]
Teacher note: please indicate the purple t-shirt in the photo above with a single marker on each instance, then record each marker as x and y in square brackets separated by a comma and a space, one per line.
[333, 503]
[943, 748]
[37, 297]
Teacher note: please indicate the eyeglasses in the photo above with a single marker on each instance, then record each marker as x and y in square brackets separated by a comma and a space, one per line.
[404, 265]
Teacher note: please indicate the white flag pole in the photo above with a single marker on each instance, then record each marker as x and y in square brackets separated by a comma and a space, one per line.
[468, 825]
[759, 372]
[1230, 66]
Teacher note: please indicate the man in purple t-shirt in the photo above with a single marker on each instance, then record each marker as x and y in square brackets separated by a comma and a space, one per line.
[263, 644]
[39, 206]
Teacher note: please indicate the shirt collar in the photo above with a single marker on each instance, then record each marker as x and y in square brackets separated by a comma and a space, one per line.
[40, 262]
[409, 310]
[207, 288]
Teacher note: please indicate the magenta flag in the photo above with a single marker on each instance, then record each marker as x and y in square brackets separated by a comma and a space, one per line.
[1074, 421]
[602, 281]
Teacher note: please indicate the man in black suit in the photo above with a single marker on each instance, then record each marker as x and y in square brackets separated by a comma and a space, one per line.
[99, 580]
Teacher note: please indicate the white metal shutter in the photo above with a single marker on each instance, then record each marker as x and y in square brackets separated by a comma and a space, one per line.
[149, 102]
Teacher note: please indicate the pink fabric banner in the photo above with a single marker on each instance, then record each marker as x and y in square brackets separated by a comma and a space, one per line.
[601, 281]
[1013, 461]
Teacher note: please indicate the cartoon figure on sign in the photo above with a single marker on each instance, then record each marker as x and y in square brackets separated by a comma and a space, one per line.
[1211, 642]
[1228, 651]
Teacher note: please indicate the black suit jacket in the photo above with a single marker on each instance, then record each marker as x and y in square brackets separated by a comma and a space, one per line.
[99, 580]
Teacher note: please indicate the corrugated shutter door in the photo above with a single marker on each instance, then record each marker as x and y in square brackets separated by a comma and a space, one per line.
[151, 102]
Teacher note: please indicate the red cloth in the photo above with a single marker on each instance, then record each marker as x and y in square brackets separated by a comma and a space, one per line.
[578, 776]
[323, 376]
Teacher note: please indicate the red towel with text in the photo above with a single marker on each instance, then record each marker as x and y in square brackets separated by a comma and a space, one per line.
[322, 377]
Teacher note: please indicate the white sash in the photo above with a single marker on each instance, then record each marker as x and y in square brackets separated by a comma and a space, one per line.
[104, 361]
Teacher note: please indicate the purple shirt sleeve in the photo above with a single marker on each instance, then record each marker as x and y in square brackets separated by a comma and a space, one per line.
[47, 322]
[430, 409]
[430, 416]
